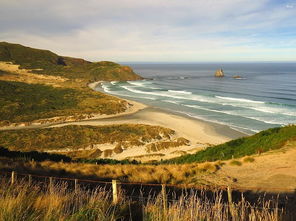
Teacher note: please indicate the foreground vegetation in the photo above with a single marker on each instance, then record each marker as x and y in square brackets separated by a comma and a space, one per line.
[266, 140]
[22, 201]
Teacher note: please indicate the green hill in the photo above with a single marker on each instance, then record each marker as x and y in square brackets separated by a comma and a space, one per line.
[47, 62]
[22, 102]
[264, 141]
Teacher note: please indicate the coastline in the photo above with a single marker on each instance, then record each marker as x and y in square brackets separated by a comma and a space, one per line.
[201, 134]
[158, 115]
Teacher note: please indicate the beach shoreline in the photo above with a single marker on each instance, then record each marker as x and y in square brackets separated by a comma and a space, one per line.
[210, 127]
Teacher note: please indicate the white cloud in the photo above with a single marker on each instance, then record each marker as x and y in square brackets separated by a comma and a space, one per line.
[132, 30]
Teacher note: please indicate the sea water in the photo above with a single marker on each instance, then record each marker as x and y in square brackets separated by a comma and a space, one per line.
[264, 95]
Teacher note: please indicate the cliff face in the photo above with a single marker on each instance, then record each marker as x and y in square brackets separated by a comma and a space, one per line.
[219, 73]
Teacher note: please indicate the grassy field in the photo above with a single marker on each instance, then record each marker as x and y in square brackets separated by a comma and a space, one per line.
[76, 136]
[81, 141]
[31, 98]
[22, 201]
[264, 141]
[21, 102]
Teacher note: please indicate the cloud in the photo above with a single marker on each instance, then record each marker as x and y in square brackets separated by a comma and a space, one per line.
[167, 30]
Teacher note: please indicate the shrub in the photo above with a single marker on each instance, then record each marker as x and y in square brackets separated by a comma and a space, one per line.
[248, 159]
[235, 163]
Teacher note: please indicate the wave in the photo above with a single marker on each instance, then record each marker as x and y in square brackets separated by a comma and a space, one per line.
[142, 84]
[237, 114]
[105, 88]
[240, 100]
[170, 101]
[235, 127]
[180, 92]
[114, 82]
[236, 102]
[167, 94]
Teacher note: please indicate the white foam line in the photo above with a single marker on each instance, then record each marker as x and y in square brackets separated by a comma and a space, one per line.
[240, 100]
[180, 92]
[235, 127]
[234, 114]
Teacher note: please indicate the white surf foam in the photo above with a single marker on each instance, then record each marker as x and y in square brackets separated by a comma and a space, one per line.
[114, 82]
[239, 100]
[180, 92]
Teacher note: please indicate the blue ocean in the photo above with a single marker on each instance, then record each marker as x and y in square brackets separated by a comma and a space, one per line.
[263, 97]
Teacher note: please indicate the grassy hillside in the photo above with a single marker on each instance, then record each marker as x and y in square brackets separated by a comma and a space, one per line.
[267, 140]
[75, 137]
[21, 102]
[47, 62]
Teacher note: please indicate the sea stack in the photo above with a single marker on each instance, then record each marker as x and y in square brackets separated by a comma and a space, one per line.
[219, 73]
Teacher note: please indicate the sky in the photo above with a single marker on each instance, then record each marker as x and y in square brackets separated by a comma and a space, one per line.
[155, 30]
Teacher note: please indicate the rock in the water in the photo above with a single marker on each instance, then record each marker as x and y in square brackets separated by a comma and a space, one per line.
[219, 73]
[237, 77]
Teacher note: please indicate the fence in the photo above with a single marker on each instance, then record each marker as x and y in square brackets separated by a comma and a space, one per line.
[231, 192]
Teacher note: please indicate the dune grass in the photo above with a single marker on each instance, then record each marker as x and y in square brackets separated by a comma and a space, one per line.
[264, 141]
[81, 136]
[125, 172]
[22, 201]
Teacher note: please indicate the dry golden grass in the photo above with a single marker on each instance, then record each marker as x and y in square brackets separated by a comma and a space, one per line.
[22, 201]
[171, 174]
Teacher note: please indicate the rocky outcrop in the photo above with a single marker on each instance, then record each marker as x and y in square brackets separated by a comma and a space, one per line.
[219, 73]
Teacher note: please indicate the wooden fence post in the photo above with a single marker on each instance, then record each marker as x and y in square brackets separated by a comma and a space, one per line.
[231, 206]
[75, 185]
[164, 196]
[50, 184]
[30, 180]
[114, 190]
[12, 177]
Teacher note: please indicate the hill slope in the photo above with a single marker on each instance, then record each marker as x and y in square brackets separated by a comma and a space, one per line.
[47, 62]
[39, 84]
[264, 141]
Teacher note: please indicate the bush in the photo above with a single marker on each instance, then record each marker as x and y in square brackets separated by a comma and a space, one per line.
[248, 159]
[235, 163]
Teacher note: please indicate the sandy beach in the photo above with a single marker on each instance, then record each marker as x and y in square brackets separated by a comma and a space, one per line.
[201, 134]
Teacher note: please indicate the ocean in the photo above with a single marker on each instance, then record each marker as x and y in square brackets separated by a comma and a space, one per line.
[264, 96]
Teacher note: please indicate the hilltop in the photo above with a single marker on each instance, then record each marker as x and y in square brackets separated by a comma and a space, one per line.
[41, 87]
[49, 63]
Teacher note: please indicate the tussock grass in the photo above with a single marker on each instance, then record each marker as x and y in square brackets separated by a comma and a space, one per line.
[145, 173]
[249, 159]
[32, 202]
[235, 163]
[76, 136]
[267, 140]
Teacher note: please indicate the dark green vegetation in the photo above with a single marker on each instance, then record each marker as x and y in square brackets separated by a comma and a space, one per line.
[26, 102]
[75, 137]
[33, 155]
[47, 62]
[264, 141]
[43, 156]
